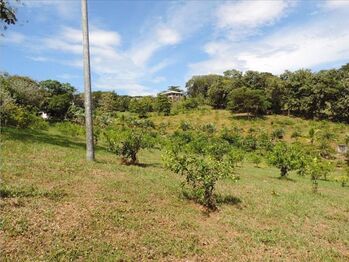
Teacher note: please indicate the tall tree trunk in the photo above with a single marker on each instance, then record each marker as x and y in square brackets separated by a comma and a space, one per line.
[90, 154]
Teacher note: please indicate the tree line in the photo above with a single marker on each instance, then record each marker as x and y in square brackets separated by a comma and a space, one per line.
[303, 93]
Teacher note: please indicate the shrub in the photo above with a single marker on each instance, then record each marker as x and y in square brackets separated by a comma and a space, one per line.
[316, 169]
[278, 133]
[216, 148]
[127, 143]
[184, 125]
[296, 134]
[256, 159]
[202, 174]
[209, 128]
[264, 142]
[185, 105]
[235, 156]
[233, 137]
[344, 179]
[245, 100]
[250, 143]
[312, 135]
[285, 157]
[163, 105]
[325, 149]
[141, 106]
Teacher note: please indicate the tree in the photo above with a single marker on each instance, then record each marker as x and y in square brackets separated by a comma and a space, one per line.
[141, 106]
[25, 91]
[7, 14]
[198, 85]
[218, 93]
[107, 102]
[127, 142]
[175, 88]
[59, 97]
[163, 105]
[202, 174]
[54, 87]
[244, 100]
[285, 157]
[316, 169]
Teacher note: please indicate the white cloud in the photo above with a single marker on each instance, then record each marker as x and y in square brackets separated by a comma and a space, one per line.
[114, 69]
[239, 19]
[308, 45]
[167, 36]
[13, 37]
[179, 23]
[48, 8]
[336, 4]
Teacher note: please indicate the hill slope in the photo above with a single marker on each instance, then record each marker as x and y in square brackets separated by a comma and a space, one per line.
[56, 206]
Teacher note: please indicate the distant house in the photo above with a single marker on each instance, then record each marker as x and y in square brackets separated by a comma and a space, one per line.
[44, 115]
[173, 95]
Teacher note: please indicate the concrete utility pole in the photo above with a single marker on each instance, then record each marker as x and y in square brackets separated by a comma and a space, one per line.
[90, 152]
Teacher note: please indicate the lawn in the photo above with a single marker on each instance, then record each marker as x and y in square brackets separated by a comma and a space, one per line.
[55, 206]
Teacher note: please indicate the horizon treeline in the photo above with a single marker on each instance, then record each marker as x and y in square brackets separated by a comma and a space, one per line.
[303, 93]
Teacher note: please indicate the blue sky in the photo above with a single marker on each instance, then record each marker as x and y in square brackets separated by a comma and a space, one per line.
[142, 47]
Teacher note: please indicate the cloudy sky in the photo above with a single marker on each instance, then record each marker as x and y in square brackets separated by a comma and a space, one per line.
[141, 47]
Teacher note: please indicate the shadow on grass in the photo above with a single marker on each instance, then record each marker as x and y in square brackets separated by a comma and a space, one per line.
[248, 117]
[227, 199]
[7, 191]
[145, 165]
[283, 178]
[30, 135]
[220, 199]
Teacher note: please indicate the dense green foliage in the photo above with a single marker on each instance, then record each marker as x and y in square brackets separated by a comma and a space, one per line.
[320, 95]
[127, 138]
[202, 159]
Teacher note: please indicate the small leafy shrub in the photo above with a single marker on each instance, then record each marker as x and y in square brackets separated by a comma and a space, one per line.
[250, 143]
[316, 169]
[312, 135]
[236, 156]
[201, 173]
[163, 105]
[285, 157]
[278, 133]
[185, 126]
[217, 148]
[162, 128]
[264, 142]
[127, 143]
[344, 178]
[325, 149]
[233, 137]
[296, 134]
[256, 159]
[209, 128]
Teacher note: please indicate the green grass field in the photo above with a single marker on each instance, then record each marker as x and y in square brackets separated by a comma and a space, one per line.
[55, 206]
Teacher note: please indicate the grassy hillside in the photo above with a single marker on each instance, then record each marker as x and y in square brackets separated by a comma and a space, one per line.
[56, 206]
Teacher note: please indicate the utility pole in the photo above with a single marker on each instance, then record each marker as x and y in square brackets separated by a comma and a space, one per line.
[90, 152]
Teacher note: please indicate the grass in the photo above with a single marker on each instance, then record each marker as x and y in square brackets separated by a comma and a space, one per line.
[58, 207]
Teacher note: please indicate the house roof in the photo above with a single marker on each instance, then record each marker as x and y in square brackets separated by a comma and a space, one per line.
[171, 92]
